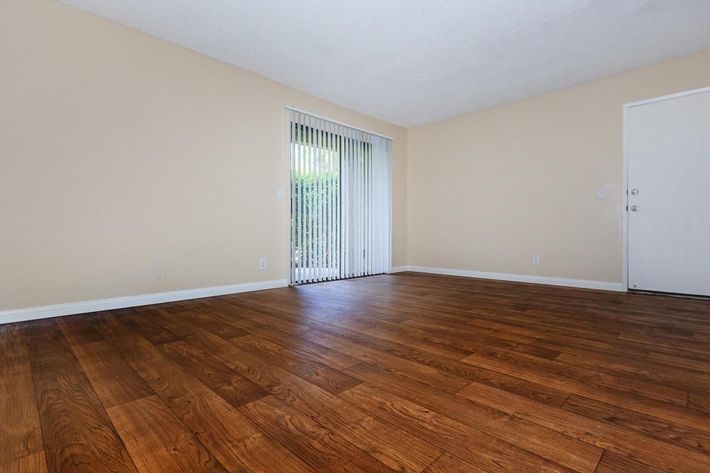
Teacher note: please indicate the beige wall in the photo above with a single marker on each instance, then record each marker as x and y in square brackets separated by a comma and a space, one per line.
[122, 156]
[488, 190]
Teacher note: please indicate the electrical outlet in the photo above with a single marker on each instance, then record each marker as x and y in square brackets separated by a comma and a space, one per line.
[262, 263]
[535, 259]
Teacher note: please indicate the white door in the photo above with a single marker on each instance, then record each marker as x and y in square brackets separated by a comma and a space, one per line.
[668, 146]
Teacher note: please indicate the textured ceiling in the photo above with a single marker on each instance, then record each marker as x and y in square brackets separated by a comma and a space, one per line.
[412, 62]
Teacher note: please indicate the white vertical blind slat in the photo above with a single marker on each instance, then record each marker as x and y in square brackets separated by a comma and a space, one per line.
[368, 249]
[362, 208]
[308, 214]
[304, 197]
[323, 163]
[347, 187]
[299, 217]
[344, 176]
[355, 205]
[333, 203]
[345, 206]
[328, 205]
[352, 209]
[324, 203]
[365, 210]
[358, 206]
[378, 215]
[319, 204]
[292, 185]
[373, 212]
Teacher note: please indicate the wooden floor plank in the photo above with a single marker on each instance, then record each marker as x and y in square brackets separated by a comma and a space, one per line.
[613, 463]
[78, 434]
[390, 444]
[604, 435]
[699, 401]
[208, 321]
[113, 380]
[652, 426]
[20, 432]
[141, 323]
[481, 449]
[224, 432]
[541, 441]
[448, 463]
[319, 353]
[494, 358]
[329, 379]
[422, 366]
[678, 378]
[406, 372]
[387, 443]
[224, 381]
[80, 329]
[680, 362]
[319, 447]
[33, 463]
[158, 441]
[535, 371]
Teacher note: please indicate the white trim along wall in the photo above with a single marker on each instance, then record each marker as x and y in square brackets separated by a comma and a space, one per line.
[82, 307]
[72, 308]
[567, 282]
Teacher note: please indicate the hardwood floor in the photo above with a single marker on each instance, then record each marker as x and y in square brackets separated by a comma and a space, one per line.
[407, 372]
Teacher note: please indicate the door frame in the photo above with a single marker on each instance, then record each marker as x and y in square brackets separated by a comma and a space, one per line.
[625, 178]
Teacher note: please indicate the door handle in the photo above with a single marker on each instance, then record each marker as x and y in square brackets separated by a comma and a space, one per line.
[634, 208]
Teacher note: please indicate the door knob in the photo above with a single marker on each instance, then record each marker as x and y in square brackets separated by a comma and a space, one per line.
[634, 192]
[634, 208]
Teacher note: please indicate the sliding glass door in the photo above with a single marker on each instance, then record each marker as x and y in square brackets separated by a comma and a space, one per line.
[340, 201]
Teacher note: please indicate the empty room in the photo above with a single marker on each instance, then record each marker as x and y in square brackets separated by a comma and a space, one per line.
[354, 236]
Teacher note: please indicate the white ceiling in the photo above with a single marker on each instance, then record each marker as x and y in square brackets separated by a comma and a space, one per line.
[412, 62]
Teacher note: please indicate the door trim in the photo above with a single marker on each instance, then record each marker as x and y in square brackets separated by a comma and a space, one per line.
[625, 177]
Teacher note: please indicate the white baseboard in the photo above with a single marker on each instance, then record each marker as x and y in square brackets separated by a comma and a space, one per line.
[82, 307]
[71, 308]
[583, 283]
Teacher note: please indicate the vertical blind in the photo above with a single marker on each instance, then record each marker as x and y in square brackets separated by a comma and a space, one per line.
[340, 200]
